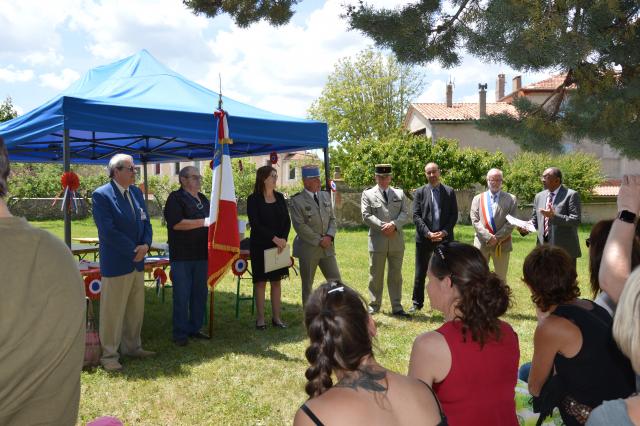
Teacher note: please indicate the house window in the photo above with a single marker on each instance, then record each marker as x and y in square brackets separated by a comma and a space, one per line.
[157, 166]
[176, 168]
[292, 172]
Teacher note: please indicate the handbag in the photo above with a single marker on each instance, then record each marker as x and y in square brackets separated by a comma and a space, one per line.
[92, 348]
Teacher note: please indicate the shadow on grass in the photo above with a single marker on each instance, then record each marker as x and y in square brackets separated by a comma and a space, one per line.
[232, 338]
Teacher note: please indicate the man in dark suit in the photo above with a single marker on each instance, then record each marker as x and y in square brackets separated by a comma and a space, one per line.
[557, 214]
[435, 213]
[125, 235]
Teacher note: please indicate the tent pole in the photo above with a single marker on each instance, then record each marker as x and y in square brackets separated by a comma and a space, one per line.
[327, 176]
[146, 189]
[66, 160]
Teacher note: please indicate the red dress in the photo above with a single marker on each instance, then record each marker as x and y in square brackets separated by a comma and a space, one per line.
[480, 387]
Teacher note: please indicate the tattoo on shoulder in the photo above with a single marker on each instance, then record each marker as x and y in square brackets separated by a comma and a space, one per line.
[366, 378]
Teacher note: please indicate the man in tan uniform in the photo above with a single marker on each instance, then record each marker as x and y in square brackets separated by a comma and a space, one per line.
[488, 213]
[315, 224]
[385, 211]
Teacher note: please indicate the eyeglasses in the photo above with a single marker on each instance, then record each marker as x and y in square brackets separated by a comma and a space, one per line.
[130, 168]
[195, 177]
[588, 242]
[274, 175]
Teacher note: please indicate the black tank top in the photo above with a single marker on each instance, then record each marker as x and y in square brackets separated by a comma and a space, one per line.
[317, 422]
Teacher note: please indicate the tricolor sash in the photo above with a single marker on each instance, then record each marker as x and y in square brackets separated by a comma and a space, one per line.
[486, 213]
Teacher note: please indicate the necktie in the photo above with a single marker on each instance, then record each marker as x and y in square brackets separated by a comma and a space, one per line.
[315, 198]
[126, 197]
[435, 211]
[386, 197]
[546, 219]
[494, 202]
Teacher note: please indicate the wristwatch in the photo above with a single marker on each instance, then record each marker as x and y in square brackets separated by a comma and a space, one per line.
[627, 216]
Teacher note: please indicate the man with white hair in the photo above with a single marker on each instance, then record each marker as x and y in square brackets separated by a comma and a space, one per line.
[125, 235]
[488, 213]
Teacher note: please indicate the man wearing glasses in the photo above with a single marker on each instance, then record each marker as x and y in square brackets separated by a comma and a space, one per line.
[488, 213]
[124, 231]
[557, 214]
[185, 212]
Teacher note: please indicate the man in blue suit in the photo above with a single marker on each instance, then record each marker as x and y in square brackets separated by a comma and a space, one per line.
[125, 235]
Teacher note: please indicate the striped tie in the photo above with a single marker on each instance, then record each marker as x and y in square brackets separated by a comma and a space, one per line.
[546, 219]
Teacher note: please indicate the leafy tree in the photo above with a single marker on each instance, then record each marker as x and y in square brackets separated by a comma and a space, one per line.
[596, 43]
[243, 179]
[580, 172]
[7, 111]
[408, 154]
[366, 96]
[245, 12]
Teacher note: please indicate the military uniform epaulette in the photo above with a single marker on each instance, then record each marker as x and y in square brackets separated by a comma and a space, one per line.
[296, 194]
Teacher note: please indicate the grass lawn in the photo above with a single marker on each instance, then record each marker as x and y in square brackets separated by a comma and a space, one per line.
[246, 377]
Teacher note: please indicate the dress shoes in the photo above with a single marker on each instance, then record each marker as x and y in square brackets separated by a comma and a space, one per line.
[199, 335]
[141, 353]
[278, 324]
[414, 309]
[261, 327]
[401, 314]
[373, 310]
[111, 365]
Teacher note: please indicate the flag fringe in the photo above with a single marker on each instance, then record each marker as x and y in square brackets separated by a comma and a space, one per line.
[215, 277]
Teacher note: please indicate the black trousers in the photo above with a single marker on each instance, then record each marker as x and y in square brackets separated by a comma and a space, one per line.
[423, 255]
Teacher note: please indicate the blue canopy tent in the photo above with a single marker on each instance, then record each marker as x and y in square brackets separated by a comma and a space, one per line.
[142, 108]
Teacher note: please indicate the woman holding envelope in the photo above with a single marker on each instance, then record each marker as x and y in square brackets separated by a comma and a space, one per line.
[270, 225]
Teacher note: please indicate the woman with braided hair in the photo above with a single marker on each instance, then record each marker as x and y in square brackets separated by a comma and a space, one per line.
[472, 359]
[340, 331]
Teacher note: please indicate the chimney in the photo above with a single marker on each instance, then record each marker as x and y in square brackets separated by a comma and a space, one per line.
[449, 95]
[500, 84]
[483, 99]
[517, 83]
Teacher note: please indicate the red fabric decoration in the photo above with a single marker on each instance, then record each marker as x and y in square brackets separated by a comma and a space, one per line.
[239, 267]
[273, 157]
[70, 180]
[159, 273]
[93, 286]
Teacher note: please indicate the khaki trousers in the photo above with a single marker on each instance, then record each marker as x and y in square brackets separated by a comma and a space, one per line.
[121, 314]
[500, 263]
[308, 266]
[377, 262]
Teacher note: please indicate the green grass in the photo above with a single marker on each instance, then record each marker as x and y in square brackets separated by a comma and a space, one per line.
[246, 377]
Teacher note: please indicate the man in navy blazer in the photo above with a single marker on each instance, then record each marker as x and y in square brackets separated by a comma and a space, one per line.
[435, 213]
[557, 214]
[125, 236]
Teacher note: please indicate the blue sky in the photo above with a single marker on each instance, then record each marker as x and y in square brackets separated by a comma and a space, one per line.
[47, 45]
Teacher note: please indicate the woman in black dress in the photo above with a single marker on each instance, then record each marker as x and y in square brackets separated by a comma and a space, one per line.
[270, 225]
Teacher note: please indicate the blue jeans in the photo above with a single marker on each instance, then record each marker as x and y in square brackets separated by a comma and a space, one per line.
[523, 372]
[189, 296]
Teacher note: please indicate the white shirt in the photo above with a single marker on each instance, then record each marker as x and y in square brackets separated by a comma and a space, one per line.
[122, 189]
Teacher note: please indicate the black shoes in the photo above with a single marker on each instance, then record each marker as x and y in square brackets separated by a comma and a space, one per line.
[402, 314]
[181, 342]
[415, 309]
[199, 335]
[260, 326]
[278, 324]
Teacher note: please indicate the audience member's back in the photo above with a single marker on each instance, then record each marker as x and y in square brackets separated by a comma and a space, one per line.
[41, 323]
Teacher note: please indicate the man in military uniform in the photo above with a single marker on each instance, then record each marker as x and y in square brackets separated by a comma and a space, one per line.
[315, 224]
[384, 210]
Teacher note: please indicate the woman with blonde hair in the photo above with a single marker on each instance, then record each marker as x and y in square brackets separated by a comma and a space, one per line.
[340, 331]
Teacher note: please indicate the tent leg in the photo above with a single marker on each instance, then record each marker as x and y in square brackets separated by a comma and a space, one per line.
[66, 160]
[146, 189]
[327, 175]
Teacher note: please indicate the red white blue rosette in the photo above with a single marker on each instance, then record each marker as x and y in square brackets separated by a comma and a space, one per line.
[239, 267]
[333, 186]
[273, 157]
[93, 286]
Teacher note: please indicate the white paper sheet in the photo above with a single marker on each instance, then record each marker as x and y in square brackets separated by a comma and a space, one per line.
[273, 260]
[521, 223]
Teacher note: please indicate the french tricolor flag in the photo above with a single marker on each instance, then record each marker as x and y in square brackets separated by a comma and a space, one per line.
[224, 238]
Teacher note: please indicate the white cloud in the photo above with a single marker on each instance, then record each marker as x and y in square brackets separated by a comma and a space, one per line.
[59, 81]
[49, 57]
[12, 75]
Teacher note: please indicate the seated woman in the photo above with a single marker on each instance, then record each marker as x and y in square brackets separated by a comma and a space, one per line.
[626, 331]
[472, 359]
[572, 339]
[596, 244]
[340, 332]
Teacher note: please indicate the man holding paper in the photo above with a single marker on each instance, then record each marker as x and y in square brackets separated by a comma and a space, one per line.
[270, 225]
[489, 211]
[315, 224]
[556, 214]
[385, 210]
